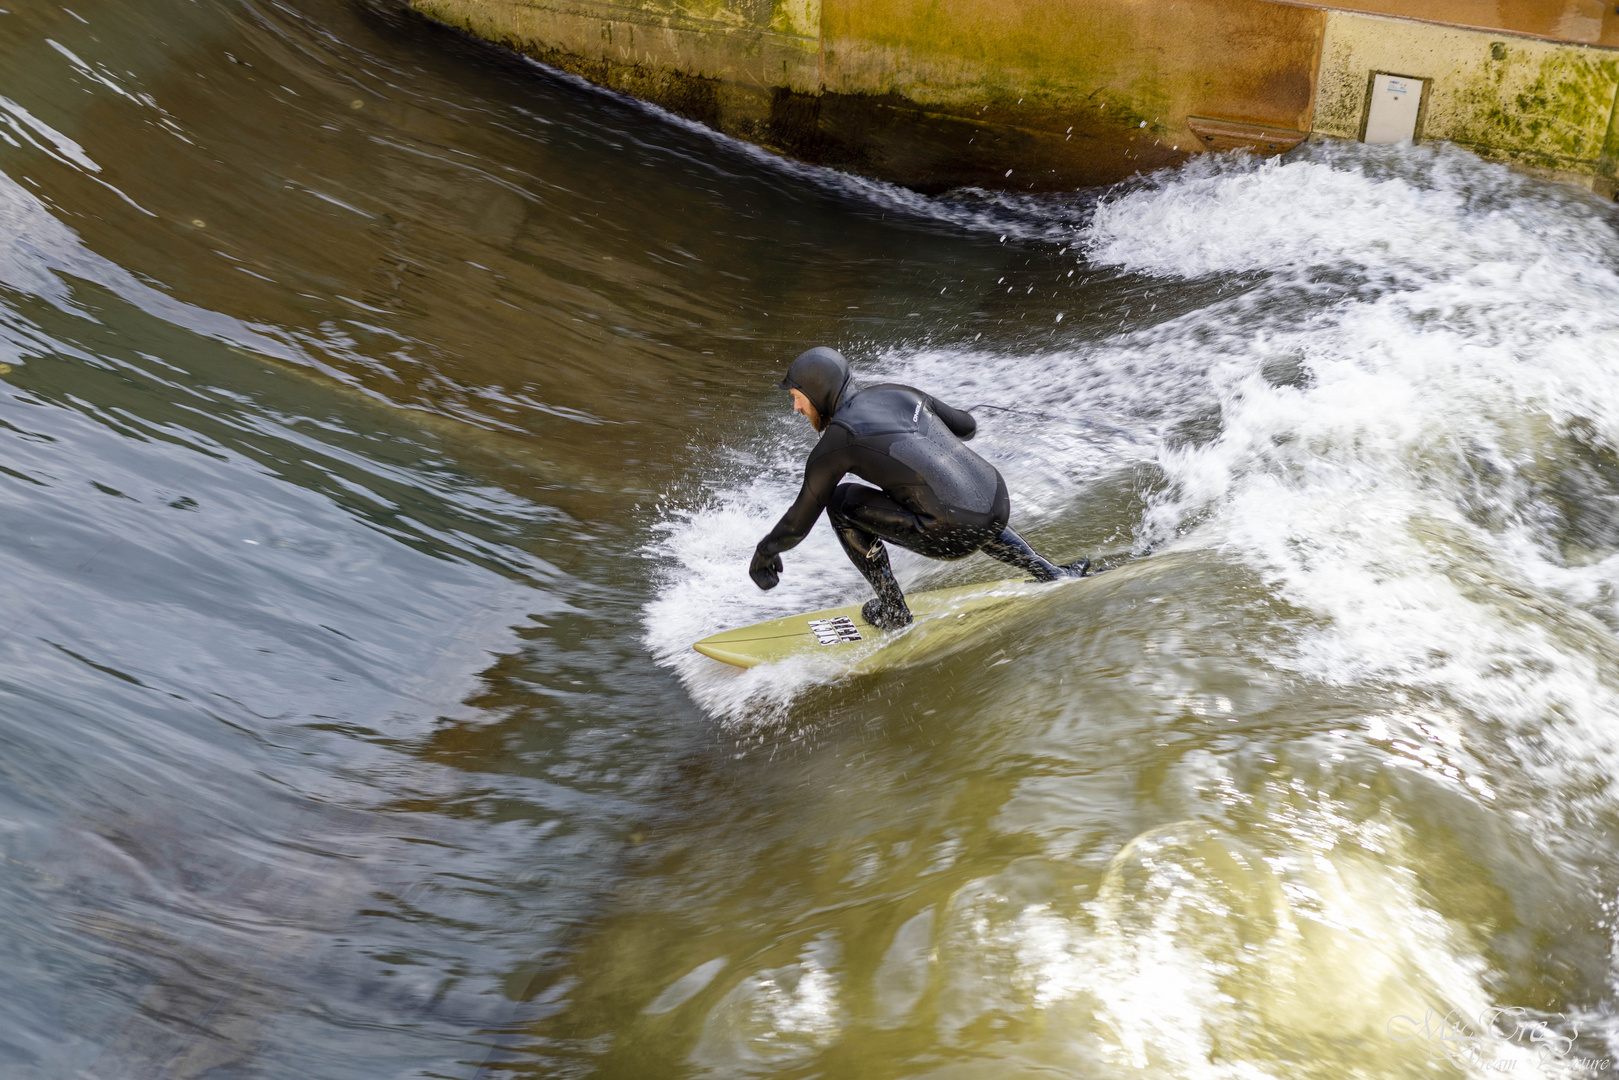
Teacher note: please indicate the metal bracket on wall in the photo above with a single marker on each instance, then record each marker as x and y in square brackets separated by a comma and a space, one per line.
[1215, 134]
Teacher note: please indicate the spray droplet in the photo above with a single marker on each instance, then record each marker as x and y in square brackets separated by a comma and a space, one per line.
[198, 223]
[5, 369]
[356, 104]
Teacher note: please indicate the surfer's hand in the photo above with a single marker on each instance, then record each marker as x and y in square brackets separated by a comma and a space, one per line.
[765, 570]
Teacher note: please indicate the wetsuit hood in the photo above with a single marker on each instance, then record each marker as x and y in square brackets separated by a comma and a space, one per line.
[823, 375]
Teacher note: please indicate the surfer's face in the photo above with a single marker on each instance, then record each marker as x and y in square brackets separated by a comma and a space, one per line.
[801, 404]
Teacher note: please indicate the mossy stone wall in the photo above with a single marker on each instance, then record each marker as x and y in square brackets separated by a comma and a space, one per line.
[1537, 103]
[1052, 94]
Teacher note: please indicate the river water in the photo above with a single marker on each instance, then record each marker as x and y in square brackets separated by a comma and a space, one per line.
[383, 417]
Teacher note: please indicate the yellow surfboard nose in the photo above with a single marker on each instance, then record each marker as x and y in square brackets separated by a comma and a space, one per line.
[727, 656]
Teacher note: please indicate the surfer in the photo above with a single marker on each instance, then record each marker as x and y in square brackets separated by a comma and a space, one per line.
[933, 495]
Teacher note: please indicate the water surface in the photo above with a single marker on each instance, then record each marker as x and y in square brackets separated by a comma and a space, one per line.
[384, 416]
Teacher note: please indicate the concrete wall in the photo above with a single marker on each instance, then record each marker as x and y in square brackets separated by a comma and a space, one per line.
[722, 62]
[1067, 93]
[1541, 104]
[1056, 94]
[1578, 22]
[936, 94]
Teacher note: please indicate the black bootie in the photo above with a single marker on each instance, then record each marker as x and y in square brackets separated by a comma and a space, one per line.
[889, 610]
[1011, 548]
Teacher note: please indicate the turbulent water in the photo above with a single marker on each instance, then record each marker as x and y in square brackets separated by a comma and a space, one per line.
[383, 417]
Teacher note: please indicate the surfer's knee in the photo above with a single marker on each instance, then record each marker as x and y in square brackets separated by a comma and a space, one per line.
[837, 507]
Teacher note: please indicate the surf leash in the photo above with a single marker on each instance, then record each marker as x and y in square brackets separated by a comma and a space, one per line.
[1091, 422]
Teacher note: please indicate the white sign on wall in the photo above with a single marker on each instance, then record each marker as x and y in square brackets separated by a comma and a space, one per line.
[1392, 114]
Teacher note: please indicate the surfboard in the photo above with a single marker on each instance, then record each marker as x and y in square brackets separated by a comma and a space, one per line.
[943, 617]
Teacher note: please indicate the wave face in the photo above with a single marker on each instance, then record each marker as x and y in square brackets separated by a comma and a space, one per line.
[1309, 766]
[384, 416]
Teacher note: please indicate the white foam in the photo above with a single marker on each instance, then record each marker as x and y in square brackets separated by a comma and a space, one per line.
[705, 589]
[1395, 493]
[705, 545]
[1205, 953]
[1450, 323]
[777, 1019]
[1450, 328]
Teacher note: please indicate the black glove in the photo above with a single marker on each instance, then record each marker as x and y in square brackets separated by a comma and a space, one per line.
[765, 570]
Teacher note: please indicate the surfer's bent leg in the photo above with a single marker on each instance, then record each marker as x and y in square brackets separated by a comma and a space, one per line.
[857, 515]
[1011, 548]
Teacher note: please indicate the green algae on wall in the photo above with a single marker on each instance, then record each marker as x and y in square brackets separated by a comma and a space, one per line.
[1023, 94]
[725, 63]
[1553, 107]
[1245, 60]
[758, 43]
[1050, 94]
[1066, 92]
[1538, 103]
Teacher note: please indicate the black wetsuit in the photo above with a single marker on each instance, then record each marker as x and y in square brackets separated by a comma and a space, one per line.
[936, 496]
[933, 495]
